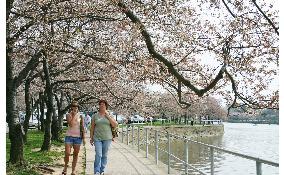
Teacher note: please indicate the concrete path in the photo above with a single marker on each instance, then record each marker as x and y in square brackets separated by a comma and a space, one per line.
[125, 160]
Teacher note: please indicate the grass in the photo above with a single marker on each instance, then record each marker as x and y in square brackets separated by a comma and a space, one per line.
[32, 155]
[159, 123]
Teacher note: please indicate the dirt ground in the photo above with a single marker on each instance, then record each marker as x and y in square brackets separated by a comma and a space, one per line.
[58, 165]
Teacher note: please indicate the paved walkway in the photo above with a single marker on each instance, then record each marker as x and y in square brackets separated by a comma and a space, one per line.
[125, 160]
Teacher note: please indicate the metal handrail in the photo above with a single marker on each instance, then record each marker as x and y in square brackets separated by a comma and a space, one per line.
[204, 120]
[230, 152]
[186, 140]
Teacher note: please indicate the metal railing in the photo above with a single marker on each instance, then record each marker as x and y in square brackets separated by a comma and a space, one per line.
[211, 121]
[212, 148]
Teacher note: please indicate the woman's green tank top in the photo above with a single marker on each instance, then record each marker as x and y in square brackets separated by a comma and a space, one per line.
[102, 128]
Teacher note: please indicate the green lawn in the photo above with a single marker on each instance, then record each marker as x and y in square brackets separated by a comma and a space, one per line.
[33, 157]
[160, 123]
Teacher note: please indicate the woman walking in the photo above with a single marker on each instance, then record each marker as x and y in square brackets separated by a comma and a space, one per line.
[74, 136]
[101, 136]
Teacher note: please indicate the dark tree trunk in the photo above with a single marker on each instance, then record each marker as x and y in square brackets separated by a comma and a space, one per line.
[35, 107]
[42, 114]
[15, 129]
[28, 109]
[60, 111]
[188, 119]
[55, 127]
[12, 83]
[60, 121]
[17, 144]
[208, 118]
[49, 104]
[38, 114]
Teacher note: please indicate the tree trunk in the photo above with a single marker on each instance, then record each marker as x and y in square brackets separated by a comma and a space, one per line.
[38, 115]
[60, 112]
[55, 127]
[15, 129]
[60, 121]
[12, 83]
[47, 133]
[28, 109]
[42, 104]
[17, 144]
[55, 130]
[35, 107]
[188, 119]
[176, 119]
[49, 104]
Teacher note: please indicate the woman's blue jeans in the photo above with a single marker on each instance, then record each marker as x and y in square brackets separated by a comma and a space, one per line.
[101, 149]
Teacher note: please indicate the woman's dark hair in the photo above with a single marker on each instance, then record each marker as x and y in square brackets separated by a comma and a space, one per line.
[105, 102]
[74, 104]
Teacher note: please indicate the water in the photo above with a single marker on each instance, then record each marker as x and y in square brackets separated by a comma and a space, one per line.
[259, 141]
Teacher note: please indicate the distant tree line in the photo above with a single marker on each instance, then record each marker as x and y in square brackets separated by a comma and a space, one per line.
[265, 116]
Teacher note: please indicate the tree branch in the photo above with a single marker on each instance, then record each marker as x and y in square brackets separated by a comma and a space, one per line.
[266, 17]
[227, 7]
[168, 64]
[178, 90]
[75, 81]
[111, 92]
[84, 94]
[22, 29]
[66, 68]
[90, 16]
[31, 65]
[179, 96]
[185, 56]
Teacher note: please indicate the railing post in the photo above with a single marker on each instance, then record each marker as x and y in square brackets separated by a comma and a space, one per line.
[122, 133]
[186, 155]
[212, 160]
[138, 138]
[132, 135]
[169, 152]
[146, 142]
[156, 147]
[258, 168]
[127, 135]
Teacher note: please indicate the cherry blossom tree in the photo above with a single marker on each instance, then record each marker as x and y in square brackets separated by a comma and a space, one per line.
[183, 35]
[88, 50]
